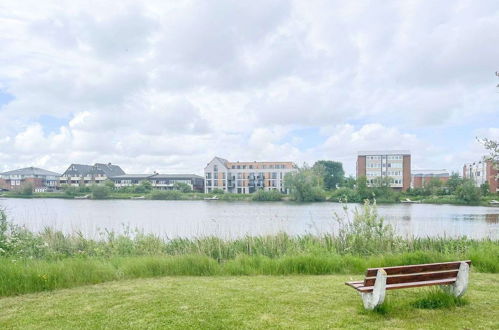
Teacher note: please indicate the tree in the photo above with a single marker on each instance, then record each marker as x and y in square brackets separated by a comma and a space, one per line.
[433, 186]
[362, 188]
[454, 182]
[182, 187]
[349, 182]
[331, 173]
[27, 189]
[69, 190]
[109, 184]
[100, 191]
[305, 185]
[144, 186]
[485, 189]
[468, 192]
[493, 148]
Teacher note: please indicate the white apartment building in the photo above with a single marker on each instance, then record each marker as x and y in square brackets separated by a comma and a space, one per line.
[246, 177]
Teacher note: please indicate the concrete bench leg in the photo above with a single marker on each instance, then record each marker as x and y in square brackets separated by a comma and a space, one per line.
[375, 298]
[459, 287]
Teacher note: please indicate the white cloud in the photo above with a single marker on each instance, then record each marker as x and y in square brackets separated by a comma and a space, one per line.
[168, 85]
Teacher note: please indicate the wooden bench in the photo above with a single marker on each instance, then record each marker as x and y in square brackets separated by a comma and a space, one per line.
[452, 276]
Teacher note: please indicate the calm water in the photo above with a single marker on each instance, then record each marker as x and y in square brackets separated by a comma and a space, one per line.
[233, 219]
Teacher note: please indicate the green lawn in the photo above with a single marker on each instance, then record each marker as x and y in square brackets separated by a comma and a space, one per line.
[242, 302]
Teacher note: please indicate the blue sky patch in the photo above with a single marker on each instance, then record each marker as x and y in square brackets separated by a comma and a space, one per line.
[5, 98]
[51, 124]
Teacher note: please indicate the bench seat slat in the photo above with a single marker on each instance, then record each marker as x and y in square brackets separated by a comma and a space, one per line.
[409, 285]
[417, 277]
[355, 284]
[410, 269]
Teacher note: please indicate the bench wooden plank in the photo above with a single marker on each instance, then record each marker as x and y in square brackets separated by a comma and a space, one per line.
[409, 285]
[417, 277]
[410, 269]
[355, 284]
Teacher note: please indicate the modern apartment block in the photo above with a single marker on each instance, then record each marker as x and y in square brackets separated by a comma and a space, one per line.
[160, 181]
[421, 177]
[40, 179]
[394, 164]
[246, 177]
[81, 175]
[482, 172]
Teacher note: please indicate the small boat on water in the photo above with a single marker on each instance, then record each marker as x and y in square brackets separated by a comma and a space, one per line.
[138, 197]
[408, 201]
[214, 198]
[494, 202]
[82, 197]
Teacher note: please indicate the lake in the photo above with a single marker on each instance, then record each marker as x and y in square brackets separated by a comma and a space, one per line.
[234, 219]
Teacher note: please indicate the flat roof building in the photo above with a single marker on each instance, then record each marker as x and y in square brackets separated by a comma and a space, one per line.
[392, 164]
[421, 177]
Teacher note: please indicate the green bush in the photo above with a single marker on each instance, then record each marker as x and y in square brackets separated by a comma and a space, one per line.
[366, 234]
[269, 195]
[27, 189]
[100, 191]
[468, 192]
[166, 195]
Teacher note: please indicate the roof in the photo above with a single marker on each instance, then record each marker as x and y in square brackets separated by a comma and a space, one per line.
[383, 152]
[223, 160]
[132, 176]
[31, 171]
[109, 170]
[437, 173]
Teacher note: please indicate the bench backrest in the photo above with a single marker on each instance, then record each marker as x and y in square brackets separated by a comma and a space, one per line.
[416, 273]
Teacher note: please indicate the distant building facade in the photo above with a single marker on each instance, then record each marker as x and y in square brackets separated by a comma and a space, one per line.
[246, 177]
[40, 179]
[160, 181]
[482, 172]
[393, 164]
[421, 177]
[82, 175]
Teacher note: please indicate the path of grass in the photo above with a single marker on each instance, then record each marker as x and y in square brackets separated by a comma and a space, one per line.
[242, 302]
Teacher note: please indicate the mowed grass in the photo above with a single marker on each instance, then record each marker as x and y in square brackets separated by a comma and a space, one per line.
[296, 302]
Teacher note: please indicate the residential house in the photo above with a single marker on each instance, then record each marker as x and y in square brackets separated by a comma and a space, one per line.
[82, 175]
[40, 179]
[160, 181]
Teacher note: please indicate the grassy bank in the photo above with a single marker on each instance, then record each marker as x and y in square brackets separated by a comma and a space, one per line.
[19, 276]
[254, 302]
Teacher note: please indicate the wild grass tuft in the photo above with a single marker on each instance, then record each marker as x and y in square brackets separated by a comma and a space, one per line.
[436, 299]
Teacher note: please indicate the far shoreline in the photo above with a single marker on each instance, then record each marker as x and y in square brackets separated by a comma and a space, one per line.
[237, 198]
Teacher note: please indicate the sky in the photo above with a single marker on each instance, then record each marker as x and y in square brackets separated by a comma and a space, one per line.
[167, 85]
